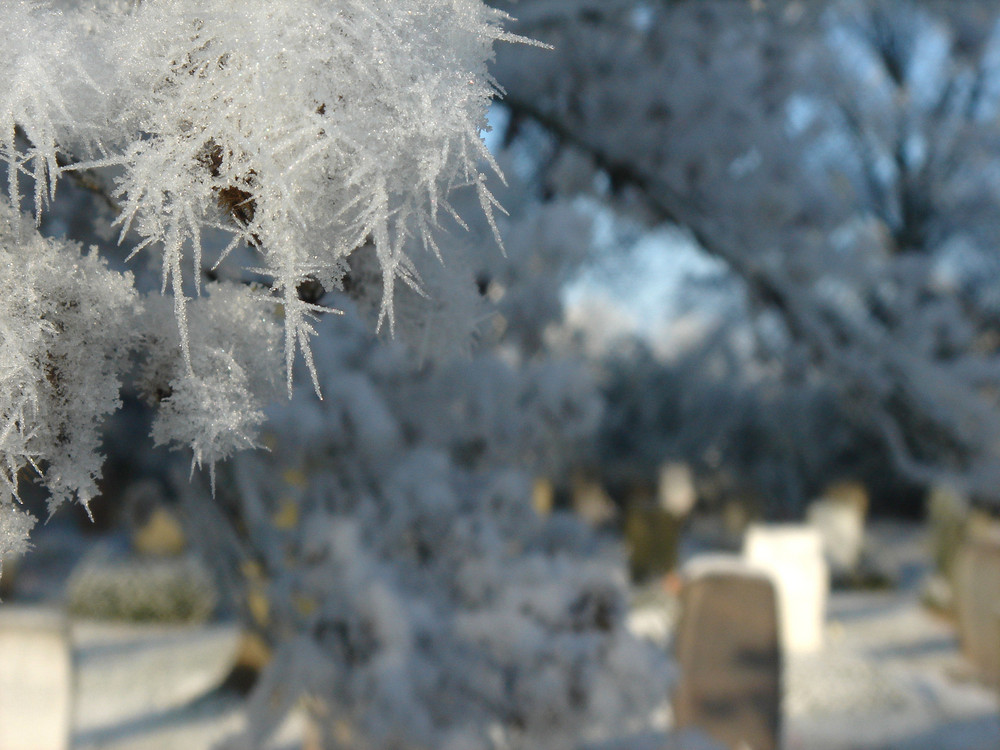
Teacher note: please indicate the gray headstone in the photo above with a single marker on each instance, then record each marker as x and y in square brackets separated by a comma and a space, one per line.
[977, 600]
[727, 648]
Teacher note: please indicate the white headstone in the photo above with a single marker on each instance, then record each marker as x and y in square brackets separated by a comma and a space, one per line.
[36, 671]
[793, 556]
[676, 491]
[841, 526]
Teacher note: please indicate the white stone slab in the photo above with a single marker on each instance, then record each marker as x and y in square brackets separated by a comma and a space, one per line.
[36, 677]
[842, 528]
[793, 556]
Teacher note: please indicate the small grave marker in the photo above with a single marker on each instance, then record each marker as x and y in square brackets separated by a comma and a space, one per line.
[652, 535]
[841, 526]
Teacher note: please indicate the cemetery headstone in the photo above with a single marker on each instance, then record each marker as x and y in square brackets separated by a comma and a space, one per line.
[841, 526]
[676, 492]
[36, 698]
[977, 599]
[653, 522]
[947, 516]
[543, 496]
[591, 501]
[851, 492]
[728, 653]
[793, 556]
[739, 511]
[652, 535]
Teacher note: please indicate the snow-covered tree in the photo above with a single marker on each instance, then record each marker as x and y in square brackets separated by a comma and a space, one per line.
[839, 157]
[412, 593]
[265, 146]
[205, 181]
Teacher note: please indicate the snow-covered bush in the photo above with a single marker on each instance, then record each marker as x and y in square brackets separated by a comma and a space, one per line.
[106, 587]
[395, 565]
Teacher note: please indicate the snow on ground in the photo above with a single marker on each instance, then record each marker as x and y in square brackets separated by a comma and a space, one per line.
[141, 687]
[890, 675]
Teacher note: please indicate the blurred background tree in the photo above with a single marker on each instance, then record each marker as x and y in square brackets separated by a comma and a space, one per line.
[836, 158]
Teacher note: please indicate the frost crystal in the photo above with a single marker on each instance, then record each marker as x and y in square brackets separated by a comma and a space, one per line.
[303, 128]
[234, 342]
[265, 145]
[15, 525]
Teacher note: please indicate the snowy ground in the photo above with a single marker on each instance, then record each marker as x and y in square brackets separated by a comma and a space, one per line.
[142, 687]
[151, 688]
[889, 677]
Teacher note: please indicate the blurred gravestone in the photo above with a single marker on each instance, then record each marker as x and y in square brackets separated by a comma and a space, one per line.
[35, 680]
[728, 652]
[977, 598]
[543, 496]
[591, 501]
[738, 512]
[652, 535]
[653, 524]
[676, 492]
[841, 526]
[947, 515]
[793, 555]
[849, 492]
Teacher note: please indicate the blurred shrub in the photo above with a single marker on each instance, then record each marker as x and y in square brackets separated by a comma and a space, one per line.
[177, 590]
